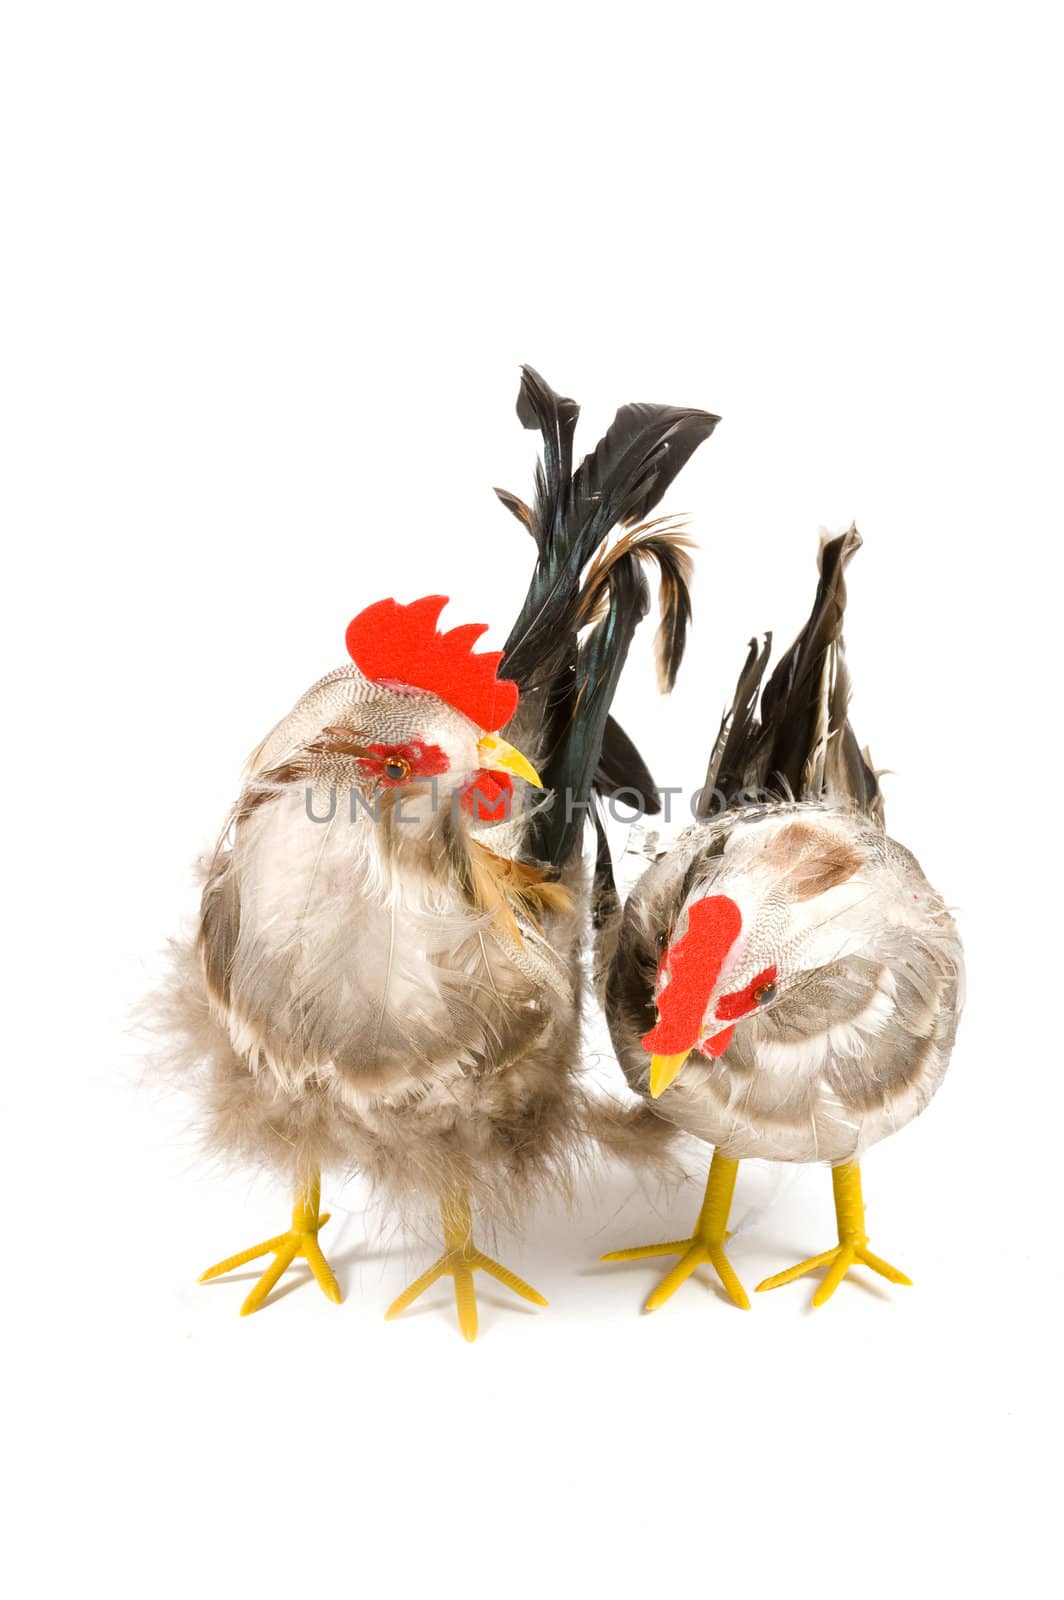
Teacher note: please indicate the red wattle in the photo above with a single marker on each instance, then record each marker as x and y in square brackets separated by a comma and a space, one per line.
[718, 1044]
[487, 795]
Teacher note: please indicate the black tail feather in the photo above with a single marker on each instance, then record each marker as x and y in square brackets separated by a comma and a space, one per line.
[575, 756]
[736, 742]
[622, 768]
[622, 480]
[604, 897]
[566, 686]
[801, 744]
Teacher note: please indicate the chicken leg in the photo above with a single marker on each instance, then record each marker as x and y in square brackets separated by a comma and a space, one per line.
[705, 1245]
[852, 1248]
[300, 1240]
[460, 1260]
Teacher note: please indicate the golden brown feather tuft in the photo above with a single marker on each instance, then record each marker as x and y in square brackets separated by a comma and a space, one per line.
[664, 542]
[502, 887]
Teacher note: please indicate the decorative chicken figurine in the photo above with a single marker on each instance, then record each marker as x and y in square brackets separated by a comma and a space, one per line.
[385, 976]
[786, 984]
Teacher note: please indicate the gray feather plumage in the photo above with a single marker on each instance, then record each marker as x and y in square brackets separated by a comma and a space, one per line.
[377, 991]
[863, 1007]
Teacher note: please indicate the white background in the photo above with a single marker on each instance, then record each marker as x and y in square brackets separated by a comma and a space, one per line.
[270, 271]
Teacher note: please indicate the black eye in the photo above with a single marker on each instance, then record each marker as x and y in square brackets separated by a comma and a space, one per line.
[396, 770]
[661, 940]
[764, 993]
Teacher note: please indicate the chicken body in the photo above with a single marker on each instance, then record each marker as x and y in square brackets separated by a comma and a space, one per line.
[374, 1014]
[386, 972]
[784, 982]
[854, 1031]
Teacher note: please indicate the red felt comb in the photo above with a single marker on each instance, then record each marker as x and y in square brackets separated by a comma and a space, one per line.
[694, 964]
[390, 643]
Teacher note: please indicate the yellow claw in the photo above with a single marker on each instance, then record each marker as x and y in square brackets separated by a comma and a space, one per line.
[460, 1260]
[495, 755]
[706, 1246]
[852, 1248]
[300, 1240]
[663, 1070]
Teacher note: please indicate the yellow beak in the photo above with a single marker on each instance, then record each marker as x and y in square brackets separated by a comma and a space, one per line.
[495, 755]
[662, 1071]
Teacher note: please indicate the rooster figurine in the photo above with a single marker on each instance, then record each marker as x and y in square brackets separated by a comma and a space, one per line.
[385, 975]
[785, 983]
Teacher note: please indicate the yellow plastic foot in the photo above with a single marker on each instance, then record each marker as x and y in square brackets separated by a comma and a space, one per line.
[300, 1240]
[852, 1249]
[706, 1246]
[460, 1260]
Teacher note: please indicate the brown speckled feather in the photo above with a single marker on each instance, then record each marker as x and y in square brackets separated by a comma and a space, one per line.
[380, 983]
[844, 983]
